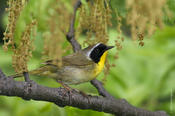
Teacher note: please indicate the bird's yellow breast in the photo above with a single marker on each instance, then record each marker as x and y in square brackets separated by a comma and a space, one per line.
[100, 64]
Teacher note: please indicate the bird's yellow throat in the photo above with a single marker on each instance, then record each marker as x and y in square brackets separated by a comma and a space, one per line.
[100, 64]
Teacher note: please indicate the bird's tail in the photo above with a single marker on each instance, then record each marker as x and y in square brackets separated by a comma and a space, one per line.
[16, 75]
[42, 71]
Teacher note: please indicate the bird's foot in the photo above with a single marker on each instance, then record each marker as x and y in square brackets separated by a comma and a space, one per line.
[67, 88]
[85, 95]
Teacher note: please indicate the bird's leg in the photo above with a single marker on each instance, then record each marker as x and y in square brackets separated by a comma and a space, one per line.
[69, 89]
[66, 87]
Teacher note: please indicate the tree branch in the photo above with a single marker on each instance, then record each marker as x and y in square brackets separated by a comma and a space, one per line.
[71, 34]
[26, 76]
[60, 96]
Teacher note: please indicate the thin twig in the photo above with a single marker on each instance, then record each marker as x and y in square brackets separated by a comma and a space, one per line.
[101, 89]
[71, 34]
[26, 76]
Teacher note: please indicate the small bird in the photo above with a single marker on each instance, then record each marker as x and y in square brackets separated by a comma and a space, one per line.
[79, 67]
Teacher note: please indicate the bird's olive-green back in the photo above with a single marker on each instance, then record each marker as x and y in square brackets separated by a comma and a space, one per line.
[75, 59]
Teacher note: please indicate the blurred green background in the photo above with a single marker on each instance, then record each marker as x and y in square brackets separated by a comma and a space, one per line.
[145, 76]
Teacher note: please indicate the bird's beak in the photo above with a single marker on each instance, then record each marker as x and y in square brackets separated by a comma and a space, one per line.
[109, 47]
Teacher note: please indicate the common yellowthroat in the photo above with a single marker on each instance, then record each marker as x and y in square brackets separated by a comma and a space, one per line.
[79, 67]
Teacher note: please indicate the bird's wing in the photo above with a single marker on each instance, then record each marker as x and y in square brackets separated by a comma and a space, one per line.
[76, 59]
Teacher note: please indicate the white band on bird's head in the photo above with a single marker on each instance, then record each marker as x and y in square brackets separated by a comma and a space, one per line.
[89, 52]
